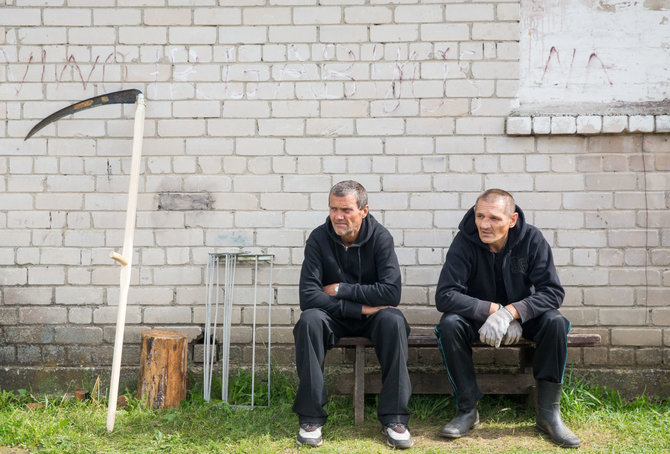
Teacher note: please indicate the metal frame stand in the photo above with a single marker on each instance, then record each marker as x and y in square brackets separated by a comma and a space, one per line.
[230, 260]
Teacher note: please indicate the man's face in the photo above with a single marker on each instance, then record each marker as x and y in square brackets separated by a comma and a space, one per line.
[493, 223]
[346, 217]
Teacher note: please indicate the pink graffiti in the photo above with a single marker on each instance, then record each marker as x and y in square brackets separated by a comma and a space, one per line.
[593, 60]
[338, 67]
[72, 61]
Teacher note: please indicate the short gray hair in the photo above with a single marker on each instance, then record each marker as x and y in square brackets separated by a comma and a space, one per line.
[494, 194]
[344, 188]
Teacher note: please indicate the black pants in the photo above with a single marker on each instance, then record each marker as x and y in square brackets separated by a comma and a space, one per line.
[456, 334]
[317, 331]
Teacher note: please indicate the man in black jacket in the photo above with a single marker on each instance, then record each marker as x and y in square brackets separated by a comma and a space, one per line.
[498, 284]
[349, 286]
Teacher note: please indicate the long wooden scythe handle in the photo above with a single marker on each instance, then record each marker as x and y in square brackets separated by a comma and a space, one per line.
[128, 96]
[126, 260]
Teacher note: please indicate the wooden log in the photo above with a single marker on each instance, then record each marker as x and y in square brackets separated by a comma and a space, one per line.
[163, 373]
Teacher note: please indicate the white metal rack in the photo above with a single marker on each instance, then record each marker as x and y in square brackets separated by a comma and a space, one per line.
[213, 284]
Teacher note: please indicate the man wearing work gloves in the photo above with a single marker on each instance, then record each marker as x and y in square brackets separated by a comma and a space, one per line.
[349, 286]
[498, 284]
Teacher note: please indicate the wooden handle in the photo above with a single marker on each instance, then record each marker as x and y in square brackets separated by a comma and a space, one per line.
[119, 258]
[126, 256]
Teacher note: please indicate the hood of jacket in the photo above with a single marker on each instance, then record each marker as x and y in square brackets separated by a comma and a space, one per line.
[469, 229]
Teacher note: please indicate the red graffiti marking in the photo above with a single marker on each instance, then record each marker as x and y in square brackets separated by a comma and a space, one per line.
[552, 52]
[593, 57]
[71, 61]
[10, 73]
[593, 60]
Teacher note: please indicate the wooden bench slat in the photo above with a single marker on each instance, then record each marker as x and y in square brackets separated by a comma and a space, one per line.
[419, 340]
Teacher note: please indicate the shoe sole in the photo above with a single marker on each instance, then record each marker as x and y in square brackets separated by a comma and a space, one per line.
[391, 445]
[308, 443]
[474, 426]
[560, 445]
[397, 446]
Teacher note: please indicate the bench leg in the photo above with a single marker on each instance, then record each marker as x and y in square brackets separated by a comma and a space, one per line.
[359, 385]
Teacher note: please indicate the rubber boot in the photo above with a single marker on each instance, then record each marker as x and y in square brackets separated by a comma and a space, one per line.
[548, 415]
[461, 424]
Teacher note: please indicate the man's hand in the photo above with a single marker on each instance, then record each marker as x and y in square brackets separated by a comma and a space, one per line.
[513, 333]
[330, 289]
[495, 327]
[371, 310]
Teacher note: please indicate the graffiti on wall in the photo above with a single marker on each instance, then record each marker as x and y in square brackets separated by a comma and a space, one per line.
[394, 80]
[583, 51]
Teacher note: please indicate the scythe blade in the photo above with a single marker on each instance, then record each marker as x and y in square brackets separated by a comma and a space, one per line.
[117, 97]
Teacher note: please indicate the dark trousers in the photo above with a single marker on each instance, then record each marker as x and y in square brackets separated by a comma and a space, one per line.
[317, 331]
[456, 335]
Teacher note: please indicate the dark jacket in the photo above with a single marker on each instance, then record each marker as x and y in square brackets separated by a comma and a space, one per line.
[467, 280]
[368, 270]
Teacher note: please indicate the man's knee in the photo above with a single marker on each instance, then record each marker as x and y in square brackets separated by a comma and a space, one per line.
[553, 322]
[311, 320]
[391, 320]
[451, 325]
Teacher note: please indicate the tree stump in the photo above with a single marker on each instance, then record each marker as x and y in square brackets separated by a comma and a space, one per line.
[163, 374]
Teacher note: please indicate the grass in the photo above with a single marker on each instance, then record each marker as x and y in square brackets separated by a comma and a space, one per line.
[601, 418]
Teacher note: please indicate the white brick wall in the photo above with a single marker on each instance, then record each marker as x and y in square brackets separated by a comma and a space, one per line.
[260, 108]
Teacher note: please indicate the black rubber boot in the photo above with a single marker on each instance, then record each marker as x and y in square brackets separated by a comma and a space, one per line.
[548, 415]
[461, 424]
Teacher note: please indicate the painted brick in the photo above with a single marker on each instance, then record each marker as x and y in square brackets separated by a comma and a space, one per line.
[465, 12]
[519, 125]
[116, 16]
[615, 123]
[43, 315]
[418, 14]
[316, 15]
[563, 125]
[243, 34]
[636, 337]
[589, 124]
[217, 16]
[541, 125]
[367, 14]
[641, 123]
[445, 32]
[69, 16]
[394, 33]
[358, 146]
[78, 335]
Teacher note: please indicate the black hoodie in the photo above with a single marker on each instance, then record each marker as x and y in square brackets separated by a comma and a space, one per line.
[367, 271]
[467, 281]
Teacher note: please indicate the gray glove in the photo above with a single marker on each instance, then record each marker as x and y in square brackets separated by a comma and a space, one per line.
[495, 327]
[513, 333]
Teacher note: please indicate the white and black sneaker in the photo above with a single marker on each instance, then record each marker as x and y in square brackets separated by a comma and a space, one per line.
[397, 436]
[309, 435]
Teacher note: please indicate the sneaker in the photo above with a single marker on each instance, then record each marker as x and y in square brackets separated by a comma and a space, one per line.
[397, 436]
[309, 435]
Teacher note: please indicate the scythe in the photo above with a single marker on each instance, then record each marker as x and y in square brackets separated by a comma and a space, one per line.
[126, 257]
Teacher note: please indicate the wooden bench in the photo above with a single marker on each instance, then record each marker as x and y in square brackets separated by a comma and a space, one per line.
[520, 382]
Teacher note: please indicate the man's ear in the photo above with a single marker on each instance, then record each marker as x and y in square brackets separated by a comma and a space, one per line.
[513, 220]
[366, 208]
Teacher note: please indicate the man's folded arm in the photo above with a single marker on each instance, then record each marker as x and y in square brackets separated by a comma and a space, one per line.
[451, 297]
[386, 291]
[311, 291]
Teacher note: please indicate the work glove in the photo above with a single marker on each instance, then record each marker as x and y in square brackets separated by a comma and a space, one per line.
[495, 327]
[513, 333]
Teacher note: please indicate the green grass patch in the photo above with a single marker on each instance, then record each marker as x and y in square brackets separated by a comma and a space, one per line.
[601, 418]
